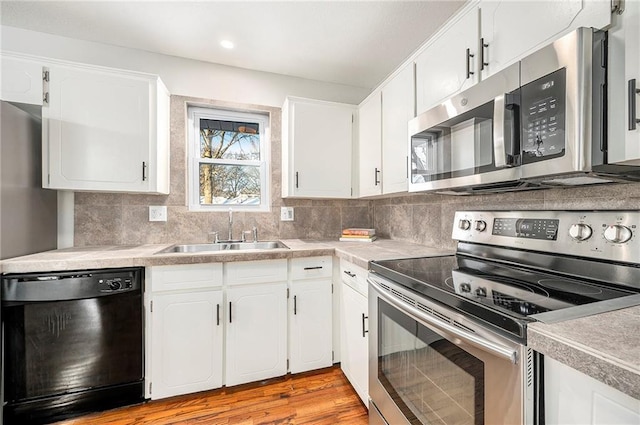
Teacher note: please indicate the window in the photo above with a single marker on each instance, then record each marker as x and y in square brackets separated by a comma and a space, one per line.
[228, 160]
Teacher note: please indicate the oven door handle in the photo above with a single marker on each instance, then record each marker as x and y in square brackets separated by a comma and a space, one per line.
[499, 150]
[497, 349]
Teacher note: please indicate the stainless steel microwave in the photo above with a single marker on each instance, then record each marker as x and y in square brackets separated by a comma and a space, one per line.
[539, 123]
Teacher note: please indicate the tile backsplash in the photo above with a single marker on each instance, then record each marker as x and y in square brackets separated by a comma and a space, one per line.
[122, 219]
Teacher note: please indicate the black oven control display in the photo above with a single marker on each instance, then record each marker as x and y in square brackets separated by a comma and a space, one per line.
[528, 228]
[543, 117]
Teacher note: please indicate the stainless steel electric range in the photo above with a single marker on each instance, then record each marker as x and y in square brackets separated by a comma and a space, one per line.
[448, 334]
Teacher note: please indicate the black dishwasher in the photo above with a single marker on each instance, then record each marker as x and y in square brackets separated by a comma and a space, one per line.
[73, 343]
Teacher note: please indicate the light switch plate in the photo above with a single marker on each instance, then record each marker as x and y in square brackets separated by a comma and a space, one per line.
[286, 213]
[158, 213]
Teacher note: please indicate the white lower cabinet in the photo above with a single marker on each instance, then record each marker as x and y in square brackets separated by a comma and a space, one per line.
[354, 335]
[210, 325]
[256, 340]
[184, 329]
[187, 343]
[573, 398]
[310, 314]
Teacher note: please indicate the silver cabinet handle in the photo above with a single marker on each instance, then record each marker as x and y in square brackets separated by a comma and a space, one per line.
[497, 349]
[144, 171]
[313, 268]
[295, 305]
[376, 180]
[217, 314]
[348, 273]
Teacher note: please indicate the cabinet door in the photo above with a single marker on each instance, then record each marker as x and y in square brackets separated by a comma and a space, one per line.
[512, 29]
[21, 80]
[624, 68]
[397, 110]
[318, 153]
[354, 340]
[573, 398]
[370, 146]
[310, 325]
[444, 68]
[186, 343]
[256, 321]
[96, 130]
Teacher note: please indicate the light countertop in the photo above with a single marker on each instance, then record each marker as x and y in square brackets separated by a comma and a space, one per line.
[98, 257]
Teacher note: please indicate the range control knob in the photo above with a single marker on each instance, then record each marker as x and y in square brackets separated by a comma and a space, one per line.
[617, 233]
[480, 225]
[464, 224]
[465, 287]
[481, 292]
[580, 232]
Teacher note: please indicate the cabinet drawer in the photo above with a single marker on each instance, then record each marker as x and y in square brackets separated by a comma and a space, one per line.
[184, 276]
[248, 272]
[311, 267]
[354, 276]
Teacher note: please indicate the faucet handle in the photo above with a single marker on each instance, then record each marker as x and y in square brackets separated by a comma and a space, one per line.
[244, 235]
[254, 230]
[216, 238]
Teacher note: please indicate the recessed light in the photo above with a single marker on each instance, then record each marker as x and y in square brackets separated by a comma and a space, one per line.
[226, 44]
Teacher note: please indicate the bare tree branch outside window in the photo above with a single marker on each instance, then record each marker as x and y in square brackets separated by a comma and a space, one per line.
[228, 180]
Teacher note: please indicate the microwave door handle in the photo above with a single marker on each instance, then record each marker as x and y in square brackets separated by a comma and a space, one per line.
[499, 151]
[469, 338]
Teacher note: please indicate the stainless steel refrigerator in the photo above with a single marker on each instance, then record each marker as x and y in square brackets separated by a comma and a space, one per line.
[28, 213]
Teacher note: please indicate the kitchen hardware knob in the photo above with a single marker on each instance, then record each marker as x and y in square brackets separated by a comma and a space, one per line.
[617, 233]
[481, 292]
[480, 225]
[464, 224]
[580, 232]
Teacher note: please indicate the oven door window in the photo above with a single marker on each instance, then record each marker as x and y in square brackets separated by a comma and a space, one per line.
[461, 146]
[430, 379]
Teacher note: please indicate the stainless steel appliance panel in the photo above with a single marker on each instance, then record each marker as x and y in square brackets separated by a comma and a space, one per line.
[572, 53]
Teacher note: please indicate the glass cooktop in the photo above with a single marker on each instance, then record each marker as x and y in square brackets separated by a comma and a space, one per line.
[512, 291]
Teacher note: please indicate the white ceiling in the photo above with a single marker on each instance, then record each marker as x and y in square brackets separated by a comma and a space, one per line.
[357, 43]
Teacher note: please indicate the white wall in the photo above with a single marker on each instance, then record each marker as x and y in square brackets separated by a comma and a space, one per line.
[184, 77]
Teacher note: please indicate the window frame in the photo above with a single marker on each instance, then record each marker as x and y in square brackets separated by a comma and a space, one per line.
[197, 112]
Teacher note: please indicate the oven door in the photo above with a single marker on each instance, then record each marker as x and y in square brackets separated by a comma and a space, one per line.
[470, 139]
[430, 365]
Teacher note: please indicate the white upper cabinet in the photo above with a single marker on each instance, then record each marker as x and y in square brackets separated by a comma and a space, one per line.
[105, 130]
[624, 73]
[370, 146]
[511, 29]
[397, 110]
[21, 80]
[449, 63]
[317, 140]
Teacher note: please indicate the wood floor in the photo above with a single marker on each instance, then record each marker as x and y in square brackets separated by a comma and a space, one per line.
[322, 397]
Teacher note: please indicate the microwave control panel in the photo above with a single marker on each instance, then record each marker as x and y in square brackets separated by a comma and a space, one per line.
[543, 117]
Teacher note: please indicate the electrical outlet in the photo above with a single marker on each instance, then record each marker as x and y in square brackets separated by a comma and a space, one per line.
[158, 213]
[286, 213]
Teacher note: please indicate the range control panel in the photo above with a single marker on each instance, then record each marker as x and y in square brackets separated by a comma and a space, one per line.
[610, 235]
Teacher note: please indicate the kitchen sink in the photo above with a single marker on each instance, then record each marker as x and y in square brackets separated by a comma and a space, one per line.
[224, 246]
